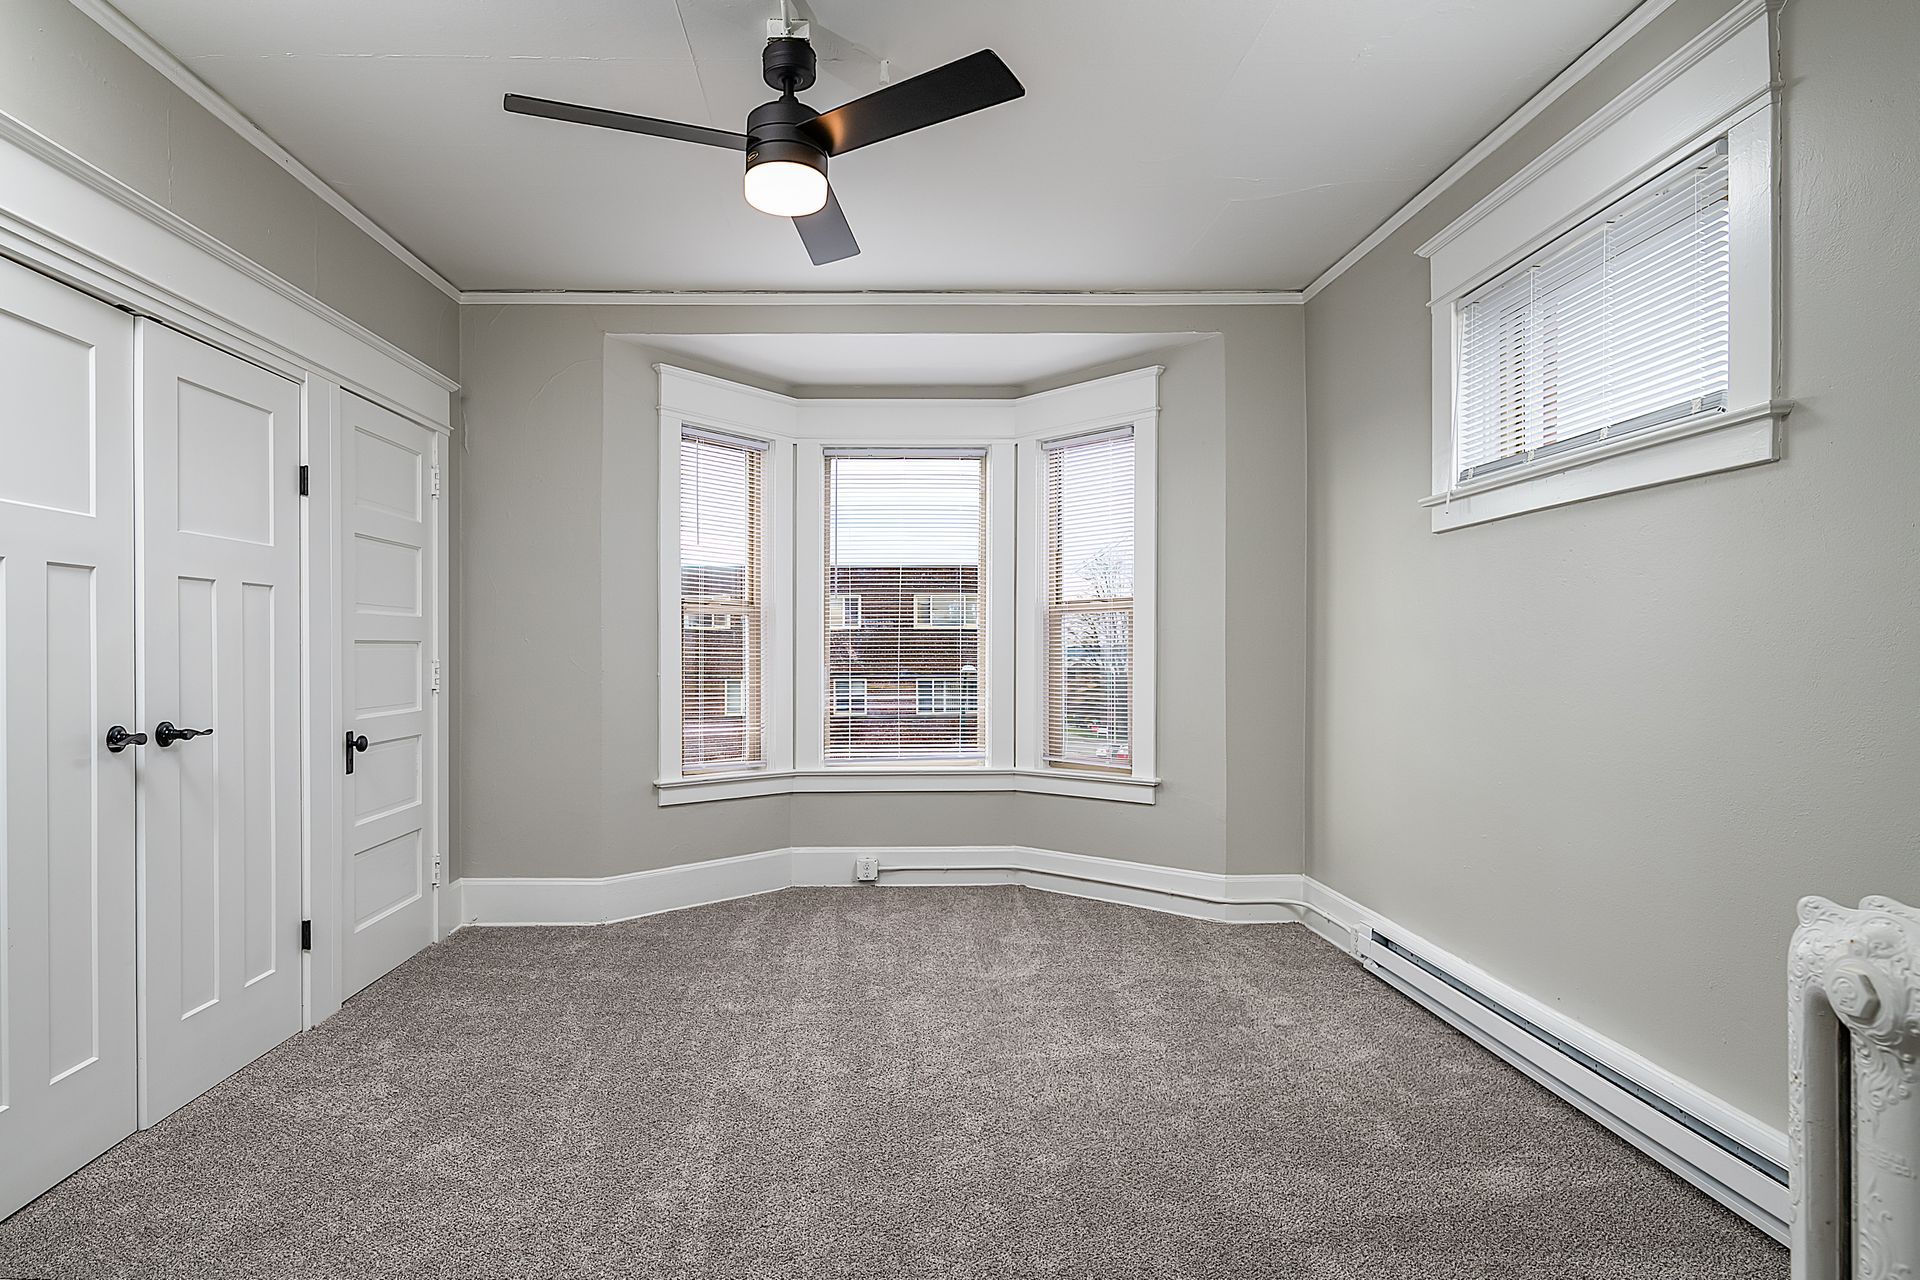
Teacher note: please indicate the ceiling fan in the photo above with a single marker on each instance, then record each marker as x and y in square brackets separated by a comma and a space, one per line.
[788, 143]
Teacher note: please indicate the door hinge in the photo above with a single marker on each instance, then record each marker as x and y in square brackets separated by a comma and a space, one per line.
[435, 686]
[303, 480]
[306, 935]
[436, 479]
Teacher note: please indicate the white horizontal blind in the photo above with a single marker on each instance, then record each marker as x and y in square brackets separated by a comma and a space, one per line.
[905, 585]
[1617, 326]
[1089, 602]
[722, 552]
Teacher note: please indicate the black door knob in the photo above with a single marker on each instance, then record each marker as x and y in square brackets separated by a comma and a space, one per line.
[354, 743]
[166, 735]
[118, 739]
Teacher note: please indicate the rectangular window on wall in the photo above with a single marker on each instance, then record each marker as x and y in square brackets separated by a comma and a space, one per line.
[1618, 326]
[722, 551]
[1089, 565]
[906, 535]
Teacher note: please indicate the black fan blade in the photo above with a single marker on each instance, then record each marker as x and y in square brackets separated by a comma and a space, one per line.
[573, 113]
[976, 82]
[826, 234]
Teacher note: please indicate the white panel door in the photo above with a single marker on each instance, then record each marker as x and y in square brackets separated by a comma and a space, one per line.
[67, 1063]
[219, 620]
[387, 591]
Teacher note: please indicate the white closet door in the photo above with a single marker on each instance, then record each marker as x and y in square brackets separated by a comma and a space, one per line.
[387, 590]
[66, 676]
[219, 616]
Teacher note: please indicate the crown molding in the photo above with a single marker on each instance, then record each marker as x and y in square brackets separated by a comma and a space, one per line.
[879, 298]
[31, 142]
[149, 51]
[1602, 49]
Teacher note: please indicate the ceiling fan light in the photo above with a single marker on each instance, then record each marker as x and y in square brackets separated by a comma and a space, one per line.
[787, 181]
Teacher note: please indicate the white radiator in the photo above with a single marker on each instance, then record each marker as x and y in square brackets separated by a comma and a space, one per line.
[1853, 995]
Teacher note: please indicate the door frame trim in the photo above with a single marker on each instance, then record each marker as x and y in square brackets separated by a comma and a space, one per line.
[68, 219]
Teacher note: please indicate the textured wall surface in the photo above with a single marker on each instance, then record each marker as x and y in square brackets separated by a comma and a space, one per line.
[1600, 751]
[556, 589]
[65, 77]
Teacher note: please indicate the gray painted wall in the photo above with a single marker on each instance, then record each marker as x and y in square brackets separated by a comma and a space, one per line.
[555, 588]
[67, 78]
[1731, 720]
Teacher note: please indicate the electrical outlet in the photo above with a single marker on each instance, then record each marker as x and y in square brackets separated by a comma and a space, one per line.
[866, 869]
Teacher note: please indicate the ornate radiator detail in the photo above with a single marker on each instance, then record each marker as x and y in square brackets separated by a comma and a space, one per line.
[1853, 997]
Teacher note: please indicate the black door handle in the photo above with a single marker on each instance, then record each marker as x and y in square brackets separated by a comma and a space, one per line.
[118, 739]
[166, 735]
[354, 744]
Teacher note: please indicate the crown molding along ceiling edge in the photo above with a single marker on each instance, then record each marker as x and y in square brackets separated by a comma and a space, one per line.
[154, 55]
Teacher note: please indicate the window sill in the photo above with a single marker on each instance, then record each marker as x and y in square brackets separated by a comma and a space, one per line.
[1721, 441]
[1053, 782]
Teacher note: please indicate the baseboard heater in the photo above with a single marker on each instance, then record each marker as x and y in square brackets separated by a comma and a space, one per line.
[1746, 1180]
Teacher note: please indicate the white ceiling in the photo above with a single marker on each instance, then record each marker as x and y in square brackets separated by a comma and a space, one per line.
[828, 360]
[1211, 144]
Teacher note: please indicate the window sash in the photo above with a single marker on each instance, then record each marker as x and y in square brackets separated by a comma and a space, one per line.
[1618, 326]
[1088, 613]
[723, 637]
[905, 543]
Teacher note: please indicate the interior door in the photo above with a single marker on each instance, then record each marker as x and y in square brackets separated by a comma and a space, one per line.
[387, 589]
[219, 659]
[67, 1057]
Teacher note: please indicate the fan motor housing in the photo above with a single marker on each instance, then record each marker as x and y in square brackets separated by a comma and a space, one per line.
[776, 131]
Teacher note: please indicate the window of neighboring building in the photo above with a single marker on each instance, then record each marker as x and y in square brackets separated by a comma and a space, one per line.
[1089, 601]
[906, 534]
[947, 611]
[843, 612]
[946, 696]
[721, 531]
[849, 697]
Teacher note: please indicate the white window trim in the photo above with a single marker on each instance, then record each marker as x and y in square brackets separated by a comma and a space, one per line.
[1136, 404]
[1719, 85]
[1011, 687]
[740, 411]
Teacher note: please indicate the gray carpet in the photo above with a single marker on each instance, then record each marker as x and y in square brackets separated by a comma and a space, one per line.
[929, 1083]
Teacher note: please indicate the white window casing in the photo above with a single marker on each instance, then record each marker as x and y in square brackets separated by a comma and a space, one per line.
[1130, 411]
[1006, 693]
[1604, 320]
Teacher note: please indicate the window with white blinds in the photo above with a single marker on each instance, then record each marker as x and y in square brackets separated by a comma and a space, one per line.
[722, 503]
[1090, 601]
[905, 537]
[1618, 326]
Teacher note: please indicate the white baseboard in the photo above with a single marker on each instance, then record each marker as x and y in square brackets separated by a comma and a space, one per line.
[1648, 1106]
[1652, 1108]
[572, 900]
[575, 900]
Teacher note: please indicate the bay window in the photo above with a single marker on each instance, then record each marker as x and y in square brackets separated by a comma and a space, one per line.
[903, 595]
